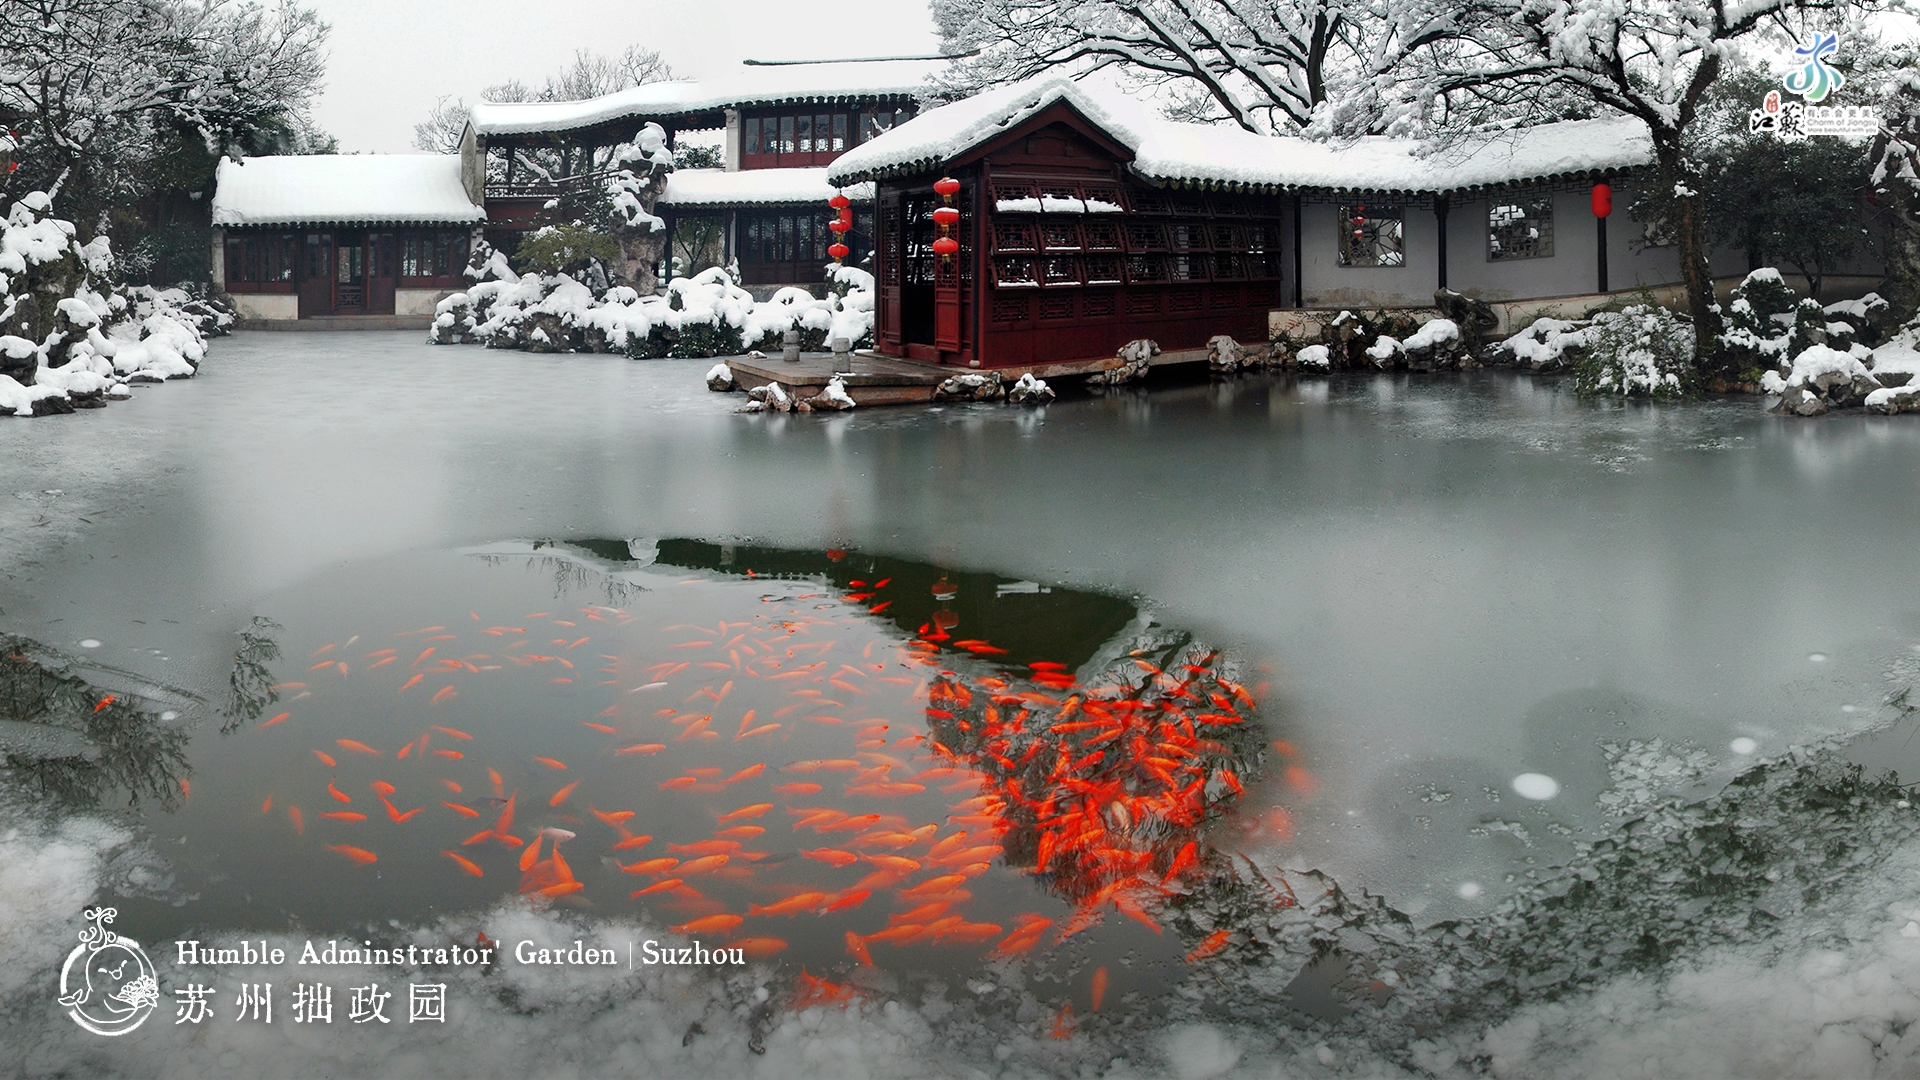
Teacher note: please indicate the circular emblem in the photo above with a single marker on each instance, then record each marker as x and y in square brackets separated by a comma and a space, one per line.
[107, 984]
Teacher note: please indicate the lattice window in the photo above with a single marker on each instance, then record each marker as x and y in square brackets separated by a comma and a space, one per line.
[1520, 226]
[1149, 202]
[1097, 305]
[1187, 237]
[1265, 264]
[1188, 206]
[1056, 307]
[1228, 237]
[1102, 196]
[1145, 268]
[1261, 237]
[1012, 190]
[1223, 296]
[1181, 267]
[1100, 235]
[1372, 235]
[1060, 235]
[1014, 272]
[1010, 309]
[1184, 300]
[1062, 270]
[1146, 236]
[1230, 206]
[1101, 269]
[1013, 236]
[1068, 190]
[1229, 267]
[1143, 303]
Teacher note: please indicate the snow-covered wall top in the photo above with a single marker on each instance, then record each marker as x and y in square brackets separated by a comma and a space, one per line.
[1169, 152]
[746, 85]
[344, 189]
[689, 188]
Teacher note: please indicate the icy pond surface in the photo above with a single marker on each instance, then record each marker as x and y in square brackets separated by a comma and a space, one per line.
[1337, 681]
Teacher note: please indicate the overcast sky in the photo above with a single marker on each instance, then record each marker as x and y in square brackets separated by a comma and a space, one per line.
[389, 60]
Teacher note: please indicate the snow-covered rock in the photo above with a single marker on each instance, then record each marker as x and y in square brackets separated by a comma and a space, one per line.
[1435, 346]
[1546, 345]
[1029, 391]
[1136, 359]
[720, 379]
[1314, 358]
[973, 386]
[1821, 378]
[834, 397]
[1385, 352]
[1224, 355]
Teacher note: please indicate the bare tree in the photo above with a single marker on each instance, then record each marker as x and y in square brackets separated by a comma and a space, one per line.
[588, 75]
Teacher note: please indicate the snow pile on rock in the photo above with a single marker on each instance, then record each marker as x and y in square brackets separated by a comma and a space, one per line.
[985, 386]
[720, 379]
[1314, 358]
[1029, 391]
[1546, 345]
[1896, 366]
[706, 315]
[74, 339]
[1136, 359]
[1821, 378]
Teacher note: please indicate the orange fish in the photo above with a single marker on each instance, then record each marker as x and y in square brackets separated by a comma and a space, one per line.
[532, 854]
[463, 811]
[932, 886]
[381, 787]
[338, 795]
[451, 755]
[921, 914]
[759, 948]
[505, 822]
[850, 900]
[551, 763]
[746, 813]
[633, 842]
[299, 820]
[857, 949]
[1099, 987]
[359, 855]
[797, 789]
[831, 856]
[612, 818]
[747, 773]
[792, 905]
[740, 832]
[562, 888]
[561, 795]
[399, 818]
[267, 807]
[659, 886]
[267, 724]
[852, 824]
[1210, 945]
[703, 865]
[454, 732]
[466, 864]
[411, 683]
[344, 815]
[451, 785]
[679, 782]
[1063, 1022]
[444, 693]
[705, 847]
[356, 746]
[477, 838]
[642, 748]
[651, 866]
[896, 863]
[326, 759]
[712, 924]
[605, 729]
[761, 730]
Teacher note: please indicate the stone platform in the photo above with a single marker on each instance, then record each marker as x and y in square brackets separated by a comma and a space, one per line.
[886, 380]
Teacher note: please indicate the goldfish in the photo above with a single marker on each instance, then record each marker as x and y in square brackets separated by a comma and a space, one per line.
[267, 807]
[746, 813]
[499, 786]
[381, 787]
[810, 991]
[1099, 987]
[561, 795]
[356, 746]
[850, 899]
[896, 863]
[411, 683]
[358, 855]
[338, 795]
[747, 773]
[444, 693]
[397, 816]
[266, 724]
[740, 832]
[344, 815]
[679, 782]
[633, 842]
[465, 863]
[932, 886]
[505, 821]
[299, 820]
[759, 948]
[611, 818]
[857, 949]
[902, 934]
[761, 730]
[659, 886]
[831, 856]
[642, 748]
[477, 838]
[451, 785]
[451, 755]
[562, 888]
[703, 865]
[651, 866]
[792, 905]
[1209, 945]
[705, 847]
[463, 811]
[849, 824]
[797, 789]
[1063, 1022]
[532, 854]
[712, 924]
[604, 729]
[921, 914]
[453, 732]
[551, 763]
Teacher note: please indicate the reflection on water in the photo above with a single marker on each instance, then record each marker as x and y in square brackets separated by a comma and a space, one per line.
[79, 746]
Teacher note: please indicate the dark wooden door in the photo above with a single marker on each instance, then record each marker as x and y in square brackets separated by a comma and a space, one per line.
[350, 273]
[382, 272]
[316, 275]
[889, 241]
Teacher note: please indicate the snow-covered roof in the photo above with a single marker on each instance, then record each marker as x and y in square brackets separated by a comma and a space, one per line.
[1166, 152]
[746, 85]
[343, 189]
[691, 188]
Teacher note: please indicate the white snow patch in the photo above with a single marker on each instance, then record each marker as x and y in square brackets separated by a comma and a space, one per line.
[1199, 1051]
[45, 879]
[1536, 786]
[295, 189]
[1743, 746]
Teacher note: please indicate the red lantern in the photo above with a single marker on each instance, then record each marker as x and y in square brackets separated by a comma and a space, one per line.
[840, 226]
[839, 202]
[946, 216]
[838, 251]
[846, 213]
[1602, 200]
[946, 245]
[947, 186]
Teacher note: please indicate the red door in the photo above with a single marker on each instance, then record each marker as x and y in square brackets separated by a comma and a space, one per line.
[382, 255]
[316, 275]
[350, 274]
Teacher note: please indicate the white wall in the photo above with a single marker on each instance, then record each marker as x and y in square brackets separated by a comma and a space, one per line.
[418, 301]
[266, 305]
[1325, 283]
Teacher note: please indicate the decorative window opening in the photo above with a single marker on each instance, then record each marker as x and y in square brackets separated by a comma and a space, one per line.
[1520, 227]
[1372, 235]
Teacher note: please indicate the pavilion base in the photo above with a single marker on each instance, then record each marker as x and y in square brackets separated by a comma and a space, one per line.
[340, 322]
[887, 380]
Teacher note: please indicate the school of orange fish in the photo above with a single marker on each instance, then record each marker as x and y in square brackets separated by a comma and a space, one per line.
[1103, 792]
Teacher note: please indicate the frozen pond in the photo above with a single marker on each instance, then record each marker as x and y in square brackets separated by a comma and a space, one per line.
[1468, 607]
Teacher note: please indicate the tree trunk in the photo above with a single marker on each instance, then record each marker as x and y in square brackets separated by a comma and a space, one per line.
[1690, 234]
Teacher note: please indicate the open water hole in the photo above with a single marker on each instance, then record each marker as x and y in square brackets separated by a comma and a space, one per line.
[1323, 625]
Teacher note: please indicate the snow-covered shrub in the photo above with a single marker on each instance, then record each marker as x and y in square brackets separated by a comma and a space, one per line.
[1546, 345]
[1767, 325]
[1643, 351]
